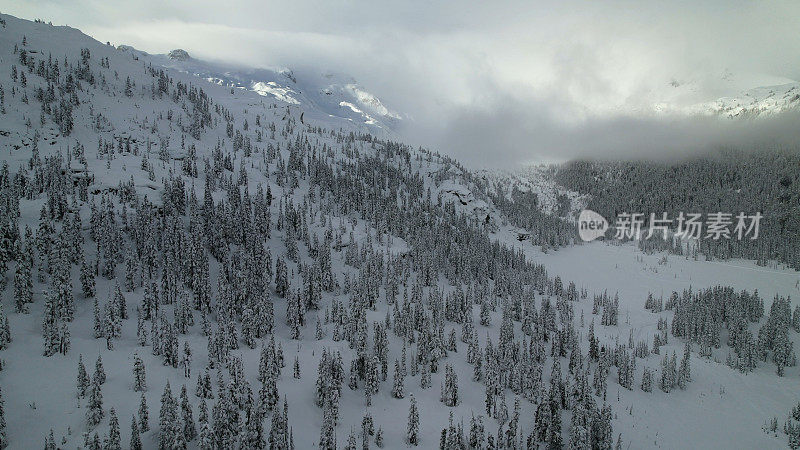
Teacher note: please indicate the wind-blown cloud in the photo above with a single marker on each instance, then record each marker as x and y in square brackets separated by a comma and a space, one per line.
[490, 83]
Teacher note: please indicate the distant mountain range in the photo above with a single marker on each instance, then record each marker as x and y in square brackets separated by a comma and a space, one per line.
[730, 96]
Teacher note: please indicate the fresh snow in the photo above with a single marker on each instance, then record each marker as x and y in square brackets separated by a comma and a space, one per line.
[721, 408]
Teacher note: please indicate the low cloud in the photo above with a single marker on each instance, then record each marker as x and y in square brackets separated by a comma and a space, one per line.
[512, 133]
[496, 85]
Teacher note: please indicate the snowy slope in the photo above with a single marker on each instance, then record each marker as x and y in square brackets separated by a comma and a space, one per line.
[289, 126]
[722, 408]
[537, 179]
[43, 393]
[762, 101]
[729, 96]
[321, 95]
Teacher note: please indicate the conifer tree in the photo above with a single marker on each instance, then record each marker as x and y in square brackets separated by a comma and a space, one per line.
[296, 369]
[141, 333]
[99, 325]
[449, 394]
[579, 430]
[23, 286]
[50, 441]
[114, 439]
[83, 378]
[139, 378]
[477, 433]
[167, 419]
[367, 429]
[144, 415]
[281, 278]
[206, 438]
[684, 370]
[95, 444]
[94, 412]
[51, 323]
[189, 429]
[99, 372]
[647, 380]
[186, 360]
[64, 337]
[327, 433]
[398, 390]
[136, 440]
[110, 326]
[412, 431]
[203, 389]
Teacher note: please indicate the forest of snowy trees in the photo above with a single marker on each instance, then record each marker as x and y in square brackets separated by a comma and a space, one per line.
[207, 252]
[730, 181]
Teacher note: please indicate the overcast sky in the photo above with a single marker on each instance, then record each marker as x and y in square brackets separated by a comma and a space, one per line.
[494, 83]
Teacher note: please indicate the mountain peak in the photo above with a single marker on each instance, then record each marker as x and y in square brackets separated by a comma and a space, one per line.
[179, 55]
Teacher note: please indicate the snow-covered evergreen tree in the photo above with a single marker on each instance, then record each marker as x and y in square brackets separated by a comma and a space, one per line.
[139, 377]
[94, 411]
[144, 415]
[136, 440]
[412, 430]
[113, 441]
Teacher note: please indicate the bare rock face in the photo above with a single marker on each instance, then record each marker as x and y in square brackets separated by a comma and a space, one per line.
[179, 55]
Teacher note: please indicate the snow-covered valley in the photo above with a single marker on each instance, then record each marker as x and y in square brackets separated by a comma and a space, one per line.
[314, 284]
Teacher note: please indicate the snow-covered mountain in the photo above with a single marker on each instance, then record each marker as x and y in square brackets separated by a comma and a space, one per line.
[730, 96]
[259, 269]
[764, 101]
[322, 94]
[112, 139]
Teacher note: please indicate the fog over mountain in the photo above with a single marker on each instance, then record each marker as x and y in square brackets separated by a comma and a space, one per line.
[540, 80]
[268, 226]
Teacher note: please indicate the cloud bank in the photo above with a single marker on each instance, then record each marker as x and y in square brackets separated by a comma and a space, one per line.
[495, 84]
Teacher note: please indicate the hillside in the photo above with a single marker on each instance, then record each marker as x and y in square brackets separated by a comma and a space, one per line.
[323, 96]
[312, 283]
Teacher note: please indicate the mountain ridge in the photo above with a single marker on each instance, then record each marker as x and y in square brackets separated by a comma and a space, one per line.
[322, 93]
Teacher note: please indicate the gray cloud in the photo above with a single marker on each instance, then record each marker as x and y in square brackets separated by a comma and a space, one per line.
[490, 83]
[511, 132]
